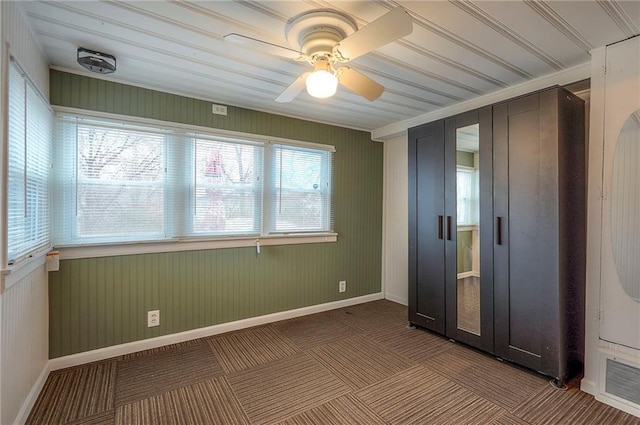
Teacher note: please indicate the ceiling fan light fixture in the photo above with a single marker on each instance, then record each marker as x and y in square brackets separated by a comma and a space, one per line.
[322, 82]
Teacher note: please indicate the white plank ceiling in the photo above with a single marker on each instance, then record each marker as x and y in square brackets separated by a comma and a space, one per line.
[458, 50]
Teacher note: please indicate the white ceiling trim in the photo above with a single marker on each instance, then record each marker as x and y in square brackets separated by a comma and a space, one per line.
[448, 35]
[560, 23]
[507, 32]
[620, 17]
[567, 76]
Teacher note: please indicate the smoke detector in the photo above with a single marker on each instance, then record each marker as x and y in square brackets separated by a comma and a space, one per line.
[101, 63]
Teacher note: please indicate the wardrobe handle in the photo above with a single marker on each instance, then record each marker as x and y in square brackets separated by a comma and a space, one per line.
[440, 227]
[499, 230]
[448, 227]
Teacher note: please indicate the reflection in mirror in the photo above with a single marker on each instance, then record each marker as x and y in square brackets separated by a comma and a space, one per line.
[468, 242]
[625, 206]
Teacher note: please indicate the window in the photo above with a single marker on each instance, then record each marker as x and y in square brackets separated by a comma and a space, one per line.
[130, 182]
[227, 188]
[300, 190]
[468, 202]
[29, 168]
[120, 183]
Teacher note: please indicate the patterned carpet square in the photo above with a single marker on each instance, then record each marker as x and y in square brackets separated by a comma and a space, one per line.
[76, 393]
[163, 370]
[507, 419]
[244, 349]
[280, 389]
[359, 362]
[499, 382]
[208, 402]
[104, 418]
[164, 348]
[317, 330]
[421, 396]
[345, 410]
[415, 344]
[370, 319]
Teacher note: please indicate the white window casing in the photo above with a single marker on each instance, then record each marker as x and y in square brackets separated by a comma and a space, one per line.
[125, 185]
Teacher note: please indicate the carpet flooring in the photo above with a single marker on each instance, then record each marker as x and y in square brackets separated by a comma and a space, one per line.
[355, 365]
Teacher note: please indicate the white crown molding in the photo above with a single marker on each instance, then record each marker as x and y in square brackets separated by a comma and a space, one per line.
[567, 76]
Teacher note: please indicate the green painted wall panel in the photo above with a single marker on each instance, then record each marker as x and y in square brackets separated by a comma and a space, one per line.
[465, 158]
[465, 239]
[99, 302]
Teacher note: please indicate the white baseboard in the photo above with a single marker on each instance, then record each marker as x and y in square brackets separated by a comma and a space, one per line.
[588, 386]
[30, 401]
[396, 299]
[146, 344]
[625, 407]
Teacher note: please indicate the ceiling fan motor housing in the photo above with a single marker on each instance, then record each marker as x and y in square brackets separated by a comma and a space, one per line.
[315, 33]
[319, 41]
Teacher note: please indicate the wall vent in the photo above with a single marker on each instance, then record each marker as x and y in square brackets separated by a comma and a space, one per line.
[623, 381]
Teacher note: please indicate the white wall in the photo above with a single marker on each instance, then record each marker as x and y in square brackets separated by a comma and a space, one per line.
[396, 221]
[24, 313]
[24, 338]
[605, 316]
[23, 45]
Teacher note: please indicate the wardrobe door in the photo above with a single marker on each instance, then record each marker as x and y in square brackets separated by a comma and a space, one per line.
[469, 250]
[427, 226]
[526, 241]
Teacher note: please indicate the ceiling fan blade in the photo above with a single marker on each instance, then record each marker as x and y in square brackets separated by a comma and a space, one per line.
[294, 89]
[387, 28]
[359, 83]
[262, 46]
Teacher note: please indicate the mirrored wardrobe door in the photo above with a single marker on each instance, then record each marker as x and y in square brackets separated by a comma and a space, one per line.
[469, 291]
[468, 228]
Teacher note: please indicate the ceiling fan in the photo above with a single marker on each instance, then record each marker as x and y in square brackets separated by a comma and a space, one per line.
[327, 38]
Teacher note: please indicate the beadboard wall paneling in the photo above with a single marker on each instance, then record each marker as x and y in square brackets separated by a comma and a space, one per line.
[24, 340]
[396, 216]
[99, 302]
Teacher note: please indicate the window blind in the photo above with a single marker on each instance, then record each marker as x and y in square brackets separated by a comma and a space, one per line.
[227, 193]
[29, 167]
[300, 190]
[111, 182]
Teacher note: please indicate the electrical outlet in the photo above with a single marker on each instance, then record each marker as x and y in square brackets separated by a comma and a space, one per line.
[153, 318]
[342, 287]
[219, 109]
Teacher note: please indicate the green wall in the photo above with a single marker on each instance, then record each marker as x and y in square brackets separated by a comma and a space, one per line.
[465, 158]
[465, 239]
[104, 301]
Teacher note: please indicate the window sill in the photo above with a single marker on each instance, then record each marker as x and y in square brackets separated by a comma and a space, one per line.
[110, 250]
[14, 273]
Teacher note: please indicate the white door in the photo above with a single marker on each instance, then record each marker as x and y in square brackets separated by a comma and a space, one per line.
[620, 280]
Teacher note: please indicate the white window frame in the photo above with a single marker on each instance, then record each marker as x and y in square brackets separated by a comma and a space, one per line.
[189, 240]
[272, 191]
[473, 172]
[258, 206]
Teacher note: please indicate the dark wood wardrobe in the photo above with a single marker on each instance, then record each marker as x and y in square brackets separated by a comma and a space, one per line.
[497, 230]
